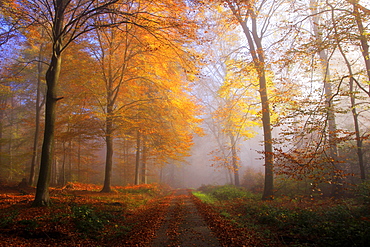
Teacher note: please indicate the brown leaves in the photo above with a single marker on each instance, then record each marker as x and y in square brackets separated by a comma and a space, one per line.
[127, 217]
[228, 233]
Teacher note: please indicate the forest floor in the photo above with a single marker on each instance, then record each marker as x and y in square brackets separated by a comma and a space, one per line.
[80, 215]
[155, 216]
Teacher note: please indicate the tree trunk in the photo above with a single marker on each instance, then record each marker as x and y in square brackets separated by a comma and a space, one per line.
[235, 164]
[42, 192]
[229, 176]
[109, 122]
[257, 53]
[10, 144]
[144, 165]
[62, 171]
[69, 174]
[109, 151]
[363, 39]
[79, 159]
[268, 191]
[332, 129]
[137, 161]
[359, 147]
[2, 109]
[42, 197]
[39, 105]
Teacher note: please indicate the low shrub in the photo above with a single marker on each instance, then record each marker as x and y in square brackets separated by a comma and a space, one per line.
[330, 226]
[229, 192]
[29, 225]
[88, 221]
[294, 222]
[225, 192]
[363, 192]
[6, 220]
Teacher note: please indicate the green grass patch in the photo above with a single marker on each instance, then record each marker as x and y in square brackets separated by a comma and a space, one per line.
[226, 192]
[206, 198]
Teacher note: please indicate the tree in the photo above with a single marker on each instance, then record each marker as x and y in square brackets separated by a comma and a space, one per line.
[328, 94]
[77, 129]
[114, 52]
[64, 21]
[360, 12]
[247, 15]
[122, 53]
[333, 40]
[340, 38]
[8, 29]
[38, 107]
[238, 112]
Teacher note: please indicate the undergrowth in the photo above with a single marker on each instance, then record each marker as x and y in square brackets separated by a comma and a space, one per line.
[79, 214]
[89, 221]
[293, 222]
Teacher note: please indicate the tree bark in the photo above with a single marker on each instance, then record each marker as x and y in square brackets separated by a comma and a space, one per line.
[137, 161]
[144, 162]
[38, 108]
[62, 171]
[257, 53]
[268, 192]
[42, 193]
[42, 197]
[109, 147]
[79, 159]
[363, 39]
[2, 107]
[235, 164]
[359, 147]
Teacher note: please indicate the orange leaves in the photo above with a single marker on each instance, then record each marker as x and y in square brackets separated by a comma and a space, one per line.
[223, 158]
[226, 230]
[130, 216]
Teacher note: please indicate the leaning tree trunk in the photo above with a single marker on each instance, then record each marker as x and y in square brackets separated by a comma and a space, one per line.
[363, 36]
[42, 197]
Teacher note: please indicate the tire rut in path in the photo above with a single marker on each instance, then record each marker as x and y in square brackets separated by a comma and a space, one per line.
[183, 225]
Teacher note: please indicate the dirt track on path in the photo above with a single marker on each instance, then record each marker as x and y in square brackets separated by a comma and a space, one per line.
[183, 225]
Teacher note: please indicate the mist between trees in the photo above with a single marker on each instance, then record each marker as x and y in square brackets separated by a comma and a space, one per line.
[270, 95]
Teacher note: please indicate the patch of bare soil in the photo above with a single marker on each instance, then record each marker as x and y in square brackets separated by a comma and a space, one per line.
[183, 225]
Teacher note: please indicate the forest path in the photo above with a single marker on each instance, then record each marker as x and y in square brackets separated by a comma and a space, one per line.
[183, 225]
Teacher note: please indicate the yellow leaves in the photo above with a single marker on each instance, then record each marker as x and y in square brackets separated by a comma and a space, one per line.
[191, 77]
[4, 90]
[237, 114]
